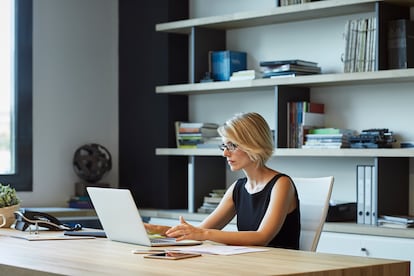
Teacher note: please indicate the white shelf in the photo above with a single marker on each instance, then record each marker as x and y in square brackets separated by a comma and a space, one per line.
[396, 152]
[307, 11]
[384, 76]
[361, 229]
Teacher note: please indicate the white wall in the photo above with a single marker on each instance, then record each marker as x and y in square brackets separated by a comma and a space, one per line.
[75, 92]
[320, 40]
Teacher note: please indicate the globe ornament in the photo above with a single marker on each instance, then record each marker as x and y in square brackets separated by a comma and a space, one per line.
[91, 162]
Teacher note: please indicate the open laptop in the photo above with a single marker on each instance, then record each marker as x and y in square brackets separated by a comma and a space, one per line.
[120, 218]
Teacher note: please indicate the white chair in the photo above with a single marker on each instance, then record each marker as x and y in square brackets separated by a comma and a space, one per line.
[314, 195]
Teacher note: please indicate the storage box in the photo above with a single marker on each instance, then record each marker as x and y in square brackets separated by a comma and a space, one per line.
[224, 63]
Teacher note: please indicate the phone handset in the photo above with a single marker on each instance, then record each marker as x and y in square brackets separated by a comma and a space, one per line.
[39, 219]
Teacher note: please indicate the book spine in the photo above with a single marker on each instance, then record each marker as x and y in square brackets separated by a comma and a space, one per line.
[400, 44]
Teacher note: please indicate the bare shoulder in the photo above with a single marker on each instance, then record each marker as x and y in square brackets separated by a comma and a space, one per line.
[284, 182]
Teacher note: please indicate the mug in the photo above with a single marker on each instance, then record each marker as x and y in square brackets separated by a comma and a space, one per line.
[3, 219]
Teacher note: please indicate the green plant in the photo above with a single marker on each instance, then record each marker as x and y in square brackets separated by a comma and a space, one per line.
[8, 196]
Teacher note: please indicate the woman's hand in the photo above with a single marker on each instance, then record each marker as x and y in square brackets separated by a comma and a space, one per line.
[156, 229]
[186, 231]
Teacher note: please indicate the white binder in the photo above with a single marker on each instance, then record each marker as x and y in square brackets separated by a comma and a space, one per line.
[368, 193]
[374, 197]
[360, 179]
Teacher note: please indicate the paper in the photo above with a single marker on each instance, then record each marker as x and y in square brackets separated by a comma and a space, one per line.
[37, 237]
[220, 249]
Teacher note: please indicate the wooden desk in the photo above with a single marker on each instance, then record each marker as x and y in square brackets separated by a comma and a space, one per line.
[103, 257]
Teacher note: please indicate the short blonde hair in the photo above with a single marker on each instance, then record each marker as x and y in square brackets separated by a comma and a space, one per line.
[252, 134]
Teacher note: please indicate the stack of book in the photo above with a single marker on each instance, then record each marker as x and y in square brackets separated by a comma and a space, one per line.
[193, 135]
[211, 202]
[360, 37]
[245, 75]
[293, 2]
[301, 117]
[396, 221]
[328, 138]
[288, 68]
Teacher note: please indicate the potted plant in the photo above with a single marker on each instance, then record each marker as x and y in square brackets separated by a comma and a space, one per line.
[9, 202]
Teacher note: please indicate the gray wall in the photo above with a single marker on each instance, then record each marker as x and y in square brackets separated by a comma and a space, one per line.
[75, 93]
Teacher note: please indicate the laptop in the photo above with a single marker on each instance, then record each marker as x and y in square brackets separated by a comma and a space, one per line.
[121, 221]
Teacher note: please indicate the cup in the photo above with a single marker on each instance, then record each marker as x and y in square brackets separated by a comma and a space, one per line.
[3, 219]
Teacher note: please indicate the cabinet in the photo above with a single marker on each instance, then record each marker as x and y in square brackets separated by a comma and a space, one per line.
[370, 246]
[209, 33]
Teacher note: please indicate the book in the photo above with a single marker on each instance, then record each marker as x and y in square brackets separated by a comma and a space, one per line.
[190, 135]
[331, 141]
[300, 119]
[398, 218]
[394, 224]
[274, 63]
[360, 40]
[224, 63]
[332, 131]
[291, 67]
[396, 221]
[285, 74]
[245, 75]
[400, 44]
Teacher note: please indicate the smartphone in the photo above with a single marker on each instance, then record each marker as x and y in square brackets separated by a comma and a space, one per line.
[172, 255]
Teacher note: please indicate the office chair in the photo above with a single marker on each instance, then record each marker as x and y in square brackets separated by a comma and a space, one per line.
[314, 195]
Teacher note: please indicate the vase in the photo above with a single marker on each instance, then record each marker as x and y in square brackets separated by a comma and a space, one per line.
[8, 213]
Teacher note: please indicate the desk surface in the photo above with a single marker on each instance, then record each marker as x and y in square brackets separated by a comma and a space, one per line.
[103, 257]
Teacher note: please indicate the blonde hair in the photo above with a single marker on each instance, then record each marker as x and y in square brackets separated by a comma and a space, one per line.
[251, 133]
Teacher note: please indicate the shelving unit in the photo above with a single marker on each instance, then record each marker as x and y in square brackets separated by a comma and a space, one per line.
[383, 76]
[276, 15]
[285, 152]
[209, 33]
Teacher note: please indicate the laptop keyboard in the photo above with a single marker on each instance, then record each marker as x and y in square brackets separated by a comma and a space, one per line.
[163, 240]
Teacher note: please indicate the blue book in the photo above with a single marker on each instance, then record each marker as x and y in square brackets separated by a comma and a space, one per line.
[224, 63]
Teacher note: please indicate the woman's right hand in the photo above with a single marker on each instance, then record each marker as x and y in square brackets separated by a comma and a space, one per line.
[156, 229]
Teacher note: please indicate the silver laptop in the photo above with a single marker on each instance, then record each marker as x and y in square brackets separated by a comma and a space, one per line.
[120, 218]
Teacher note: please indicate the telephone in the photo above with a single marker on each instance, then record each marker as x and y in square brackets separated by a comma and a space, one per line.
[26, 218]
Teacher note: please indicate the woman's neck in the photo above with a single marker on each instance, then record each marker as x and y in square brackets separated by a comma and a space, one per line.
[258, 177]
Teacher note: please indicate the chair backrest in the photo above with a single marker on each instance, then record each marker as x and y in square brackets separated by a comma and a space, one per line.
[314, 195]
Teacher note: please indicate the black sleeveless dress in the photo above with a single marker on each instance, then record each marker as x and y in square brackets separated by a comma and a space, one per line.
[251, 208]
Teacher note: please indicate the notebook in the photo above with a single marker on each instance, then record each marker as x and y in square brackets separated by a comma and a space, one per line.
[120, 218]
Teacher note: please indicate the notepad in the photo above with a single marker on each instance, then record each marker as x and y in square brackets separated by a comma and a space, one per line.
[220, 249]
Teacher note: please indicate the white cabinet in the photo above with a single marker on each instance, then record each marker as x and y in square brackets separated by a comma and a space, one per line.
[366, 245]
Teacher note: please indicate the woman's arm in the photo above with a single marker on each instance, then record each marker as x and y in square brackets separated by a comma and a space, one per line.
[282, 202]
[219, 218]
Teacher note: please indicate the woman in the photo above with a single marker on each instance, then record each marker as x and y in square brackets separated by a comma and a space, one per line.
[265, 201]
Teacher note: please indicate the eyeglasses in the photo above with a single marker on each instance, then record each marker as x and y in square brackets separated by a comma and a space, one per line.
[229, 146]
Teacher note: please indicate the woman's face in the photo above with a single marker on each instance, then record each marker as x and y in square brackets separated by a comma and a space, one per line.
[236, 157]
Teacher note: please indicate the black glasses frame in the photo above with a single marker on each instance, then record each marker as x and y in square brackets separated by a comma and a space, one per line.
[229, 146]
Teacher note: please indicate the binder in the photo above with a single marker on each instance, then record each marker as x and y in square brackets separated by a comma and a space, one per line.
[360, 179]
[374, 197]
[368, 194]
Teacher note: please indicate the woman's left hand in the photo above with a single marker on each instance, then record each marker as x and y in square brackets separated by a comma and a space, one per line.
[185, 231]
